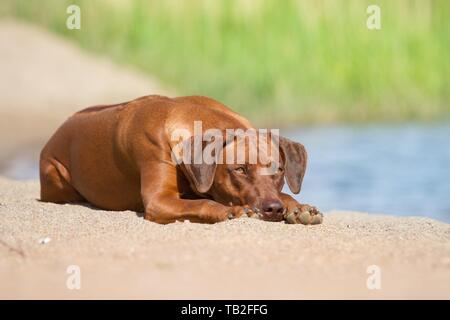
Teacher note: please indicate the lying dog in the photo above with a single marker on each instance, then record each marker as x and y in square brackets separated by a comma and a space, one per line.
[120, 157]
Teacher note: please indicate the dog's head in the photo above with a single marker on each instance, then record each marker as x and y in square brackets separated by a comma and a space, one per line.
[235, 176]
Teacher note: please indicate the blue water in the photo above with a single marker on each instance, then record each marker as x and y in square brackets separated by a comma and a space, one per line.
[400, 170]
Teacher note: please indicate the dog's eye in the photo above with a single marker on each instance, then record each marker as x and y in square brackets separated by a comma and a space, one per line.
[240, 170]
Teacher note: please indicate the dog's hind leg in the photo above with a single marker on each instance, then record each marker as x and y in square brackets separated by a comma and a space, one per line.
[55, 186]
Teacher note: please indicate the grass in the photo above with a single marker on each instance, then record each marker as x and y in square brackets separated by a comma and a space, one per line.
[282, 62]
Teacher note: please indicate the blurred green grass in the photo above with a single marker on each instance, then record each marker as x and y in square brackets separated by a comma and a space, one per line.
[277, 62]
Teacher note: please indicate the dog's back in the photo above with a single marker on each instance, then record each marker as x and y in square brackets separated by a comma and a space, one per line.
[95, 154]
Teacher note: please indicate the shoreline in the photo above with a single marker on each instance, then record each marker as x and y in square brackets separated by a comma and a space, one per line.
[121, 255]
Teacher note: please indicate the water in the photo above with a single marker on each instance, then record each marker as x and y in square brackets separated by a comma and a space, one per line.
[399, 170]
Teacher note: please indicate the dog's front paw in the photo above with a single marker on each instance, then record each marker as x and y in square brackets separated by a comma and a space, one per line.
[239, 211]
[243, 211]
[303, 214]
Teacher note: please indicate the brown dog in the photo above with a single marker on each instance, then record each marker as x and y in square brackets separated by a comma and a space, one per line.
[120, 157]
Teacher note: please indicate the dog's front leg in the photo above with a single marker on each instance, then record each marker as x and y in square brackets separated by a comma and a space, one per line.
[296, 212]
[166, 208]
[162, 202]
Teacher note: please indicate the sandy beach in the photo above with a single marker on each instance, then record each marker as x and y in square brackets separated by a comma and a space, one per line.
[121, 255]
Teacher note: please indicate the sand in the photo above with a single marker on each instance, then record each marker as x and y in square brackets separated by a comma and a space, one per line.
[121, 255]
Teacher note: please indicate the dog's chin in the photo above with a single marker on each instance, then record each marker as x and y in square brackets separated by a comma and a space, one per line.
[272, 217]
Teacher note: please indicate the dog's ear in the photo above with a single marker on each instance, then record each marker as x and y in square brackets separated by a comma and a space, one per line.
[199, 171]
[295, 159]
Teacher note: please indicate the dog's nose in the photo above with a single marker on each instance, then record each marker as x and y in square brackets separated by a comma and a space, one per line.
[273, 210]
